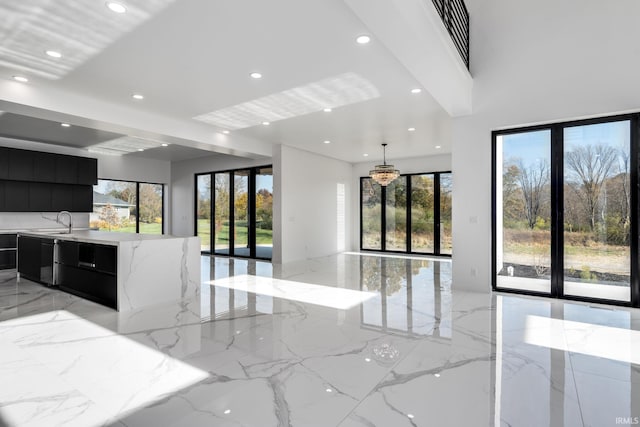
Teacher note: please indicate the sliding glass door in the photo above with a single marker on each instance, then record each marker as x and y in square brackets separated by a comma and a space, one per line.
[242, 212]
[597, 219]
[565, 210]
[371, 214]
[523, 251]
[422, 214]
[222, 213]
[396, 215]
[264, 213]
[416, 217]
[203, 211]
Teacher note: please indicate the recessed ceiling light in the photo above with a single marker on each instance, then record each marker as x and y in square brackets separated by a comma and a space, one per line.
[266, 123]
[366, 155]
[436, 375]
[411, 129]
[327, 142]
[65, 125]
[328, 390]
[165, 145]
[410, 416]
[366, 359]
[327, 110]
[416, 90]
[226, 132]
[363, 39]
[116, 7]
[140, 149]
[54, 54]
[20, 79]
[438, 146]
[137, 96]
[227, 411]
[256, 75]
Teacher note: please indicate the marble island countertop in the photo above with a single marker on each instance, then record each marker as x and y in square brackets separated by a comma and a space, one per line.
[38, 230]
[100, 237]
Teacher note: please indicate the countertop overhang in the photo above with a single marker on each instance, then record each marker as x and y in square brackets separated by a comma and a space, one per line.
[99, 237]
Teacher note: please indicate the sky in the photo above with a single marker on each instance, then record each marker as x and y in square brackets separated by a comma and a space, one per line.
[534, 146]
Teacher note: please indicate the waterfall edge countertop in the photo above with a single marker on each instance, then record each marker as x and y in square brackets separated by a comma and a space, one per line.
[99, 237]
[151, 269]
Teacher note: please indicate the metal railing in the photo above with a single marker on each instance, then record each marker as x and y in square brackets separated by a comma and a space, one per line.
[455, 17]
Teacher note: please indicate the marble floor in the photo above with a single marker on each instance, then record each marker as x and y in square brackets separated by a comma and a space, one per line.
[347, 340]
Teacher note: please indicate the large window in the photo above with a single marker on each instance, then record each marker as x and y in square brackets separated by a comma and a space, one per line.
[127, 207]
[416, 217]
[565, 209]
[242, 212]
[203, 211]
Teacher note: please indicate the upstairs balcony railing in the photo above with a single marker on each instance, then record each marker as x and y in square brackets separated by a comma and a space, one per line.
[455, 16]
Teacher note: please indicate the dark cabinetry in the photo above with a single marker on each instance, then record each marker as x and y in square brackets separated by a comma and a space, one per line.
[88, 270]
[35, 259]
[87, 171]
[31, 181]
[44, 167]
[7, 251]
[66, 170]
[20, 165]
[16, 196]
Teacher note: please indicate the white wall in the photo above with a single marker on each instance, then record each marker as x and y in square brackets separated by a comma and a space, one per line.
[533, 62]
[439, 163]
[128, 168]
[183, 186]
[307, 214]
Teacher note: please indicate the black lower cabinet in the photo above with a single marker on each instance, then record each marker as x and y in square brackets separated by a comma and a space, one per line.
[89, 271]
[29, 256]
[7, 251]
[35, 259]
[88, 283]
[7, 259]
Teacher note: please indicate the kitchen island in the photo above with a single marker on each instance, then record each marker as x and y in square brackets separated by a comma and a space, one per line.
[125, 271]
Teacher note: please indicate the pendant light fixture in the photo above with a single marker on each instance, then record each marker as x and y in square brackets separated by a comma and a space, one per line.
[383, 174]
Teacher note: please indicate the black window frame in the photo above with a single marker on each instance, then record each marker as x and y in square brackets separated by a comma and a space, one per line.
[138, 200]
[251, 211]
[383, 201]
[557, 207]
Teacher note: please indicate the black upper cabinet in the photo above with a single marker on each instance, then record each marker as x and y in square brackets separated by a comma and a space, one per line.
[66, 170]
[39, 197]
[33, 181]
[44, 167]
[2, 193]
[35, 166]
[20, 165]
[82, 198]
[4, 163]
[16, 197]
[61, 197]
[87, 171]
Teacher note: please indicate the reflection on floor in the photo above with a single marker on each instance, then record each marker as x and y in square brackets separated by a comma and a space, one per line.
[254, 351]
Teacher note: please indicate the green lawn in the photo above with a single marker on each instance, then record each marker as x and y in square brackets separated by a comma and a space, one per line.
[262, 236]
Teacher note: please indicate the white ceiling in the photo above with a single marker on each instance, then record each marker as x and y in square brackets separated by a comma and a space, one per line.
[193, 57]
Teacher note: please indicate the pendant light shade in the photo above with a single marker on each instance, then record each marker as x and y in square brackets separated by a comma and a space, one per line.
[384, 174]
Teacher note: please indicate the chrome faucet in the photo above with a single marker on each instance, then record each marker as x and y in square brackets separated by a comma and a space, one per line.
[70, 219]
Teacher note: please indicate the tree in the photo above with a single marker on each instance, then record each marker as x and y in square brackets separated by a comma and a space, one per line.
[109, 215]
[513, 206]
[590, 166]
[150, 203]
[533, 180]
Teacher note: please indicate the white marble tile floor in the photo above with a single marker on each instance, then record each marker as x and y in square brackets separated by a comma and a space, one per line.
[346, 340]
